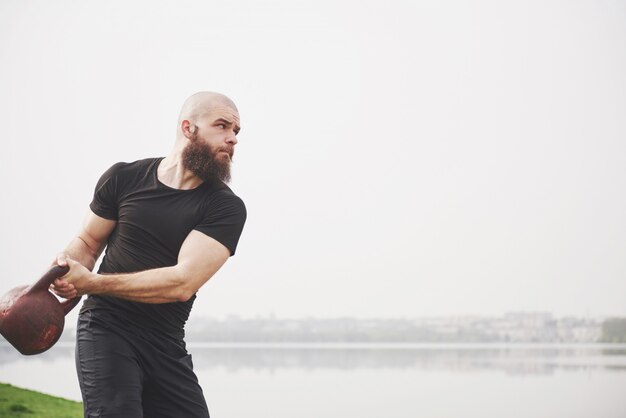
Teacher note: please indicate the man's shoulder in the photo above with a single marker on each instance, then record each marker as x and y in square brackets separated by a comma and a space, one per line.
[221, 196]
[223, 192]
[123, 169]
[134, 166]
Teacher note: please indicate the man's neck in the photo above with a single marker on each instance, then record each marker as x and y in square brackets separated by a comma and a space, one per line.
[172, 173]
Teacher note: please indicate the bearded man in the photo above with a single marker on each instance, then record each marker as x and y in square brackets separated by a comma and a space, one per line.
[168, 224]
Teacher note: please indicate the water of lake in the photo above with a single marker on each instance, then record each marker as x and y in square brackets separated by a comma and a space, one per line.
[382, 380]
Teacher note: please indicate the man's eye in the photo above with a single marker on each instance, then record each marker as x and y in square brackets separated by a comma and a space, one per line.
[221, 125]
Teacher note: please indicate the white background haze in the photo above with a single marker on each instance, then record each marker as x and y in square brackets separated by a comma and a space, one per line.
[397, 158]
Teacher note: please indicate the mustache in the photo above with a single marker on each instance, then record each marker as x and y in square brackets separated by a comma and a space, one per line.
[229, 150]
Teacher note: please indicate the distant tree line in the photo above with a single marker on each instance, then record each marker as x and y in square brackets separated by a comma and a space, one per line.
[614, 331]
[515, 328]
[488, 329]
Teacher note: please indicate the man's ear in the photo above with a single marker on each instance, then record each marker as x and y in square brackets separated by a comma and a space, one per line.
[189, 129]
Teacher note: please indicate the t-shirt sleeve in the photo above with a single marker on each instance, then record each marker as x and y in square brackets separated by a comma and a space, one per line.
[224, 220]
[105, 197]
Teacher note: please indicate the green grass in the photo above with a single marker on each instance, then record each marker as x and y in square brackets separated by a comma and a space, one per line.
[22, 403]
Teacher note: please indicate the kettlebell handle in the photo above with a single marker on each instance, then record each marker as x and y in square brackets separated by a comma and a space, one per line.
[47, 279]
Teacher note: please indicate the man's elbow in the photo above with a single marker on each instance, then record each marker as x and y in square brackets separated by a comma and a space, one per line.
[186, 284]
[183, 295]
[185, 291]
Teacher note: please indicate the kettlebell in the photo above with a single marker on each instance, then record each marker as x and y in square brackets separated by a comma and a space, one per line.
[31, 317]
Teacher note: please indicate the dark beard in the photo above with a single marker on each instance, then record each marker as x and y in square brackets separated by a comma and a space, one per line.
[205, 163]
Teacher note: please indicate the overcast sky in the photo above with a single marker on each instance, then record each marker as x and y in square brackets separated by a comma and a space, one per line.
[397, 158]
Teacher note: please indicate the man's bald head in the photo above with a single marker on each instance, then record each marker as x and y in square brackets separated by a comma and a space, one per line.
[202, 103]
[208, 125]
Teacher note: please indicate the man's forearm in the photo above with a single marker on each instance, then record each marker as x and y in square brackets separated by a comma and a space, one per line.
[78, 250]
[199, 259]
[161, 285]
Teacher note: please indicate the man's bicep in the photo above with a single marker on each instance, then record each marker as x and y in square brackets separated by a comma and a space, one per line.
[201, 257]
[95, 231]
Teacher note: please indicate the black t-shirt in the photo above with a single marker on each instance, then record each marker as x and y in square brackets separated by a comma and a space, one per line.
[153, 220]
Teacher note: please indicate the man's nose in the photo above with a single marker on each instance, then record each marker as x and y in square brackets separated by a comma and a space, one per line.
[232, 138]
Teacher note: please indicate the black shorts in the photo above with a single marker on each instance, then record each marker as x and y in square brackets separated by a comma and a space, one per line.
[127, 372]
